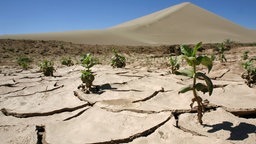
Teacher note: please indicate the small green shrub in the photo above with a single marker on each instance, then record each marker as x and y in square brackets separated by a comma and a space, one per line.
[88, 61]
[193, 61]
[213, 57]
[117, 60]
[245, 55]
[47, 67]
[228, 43]
[174, 63]
[67, 61]
[87, 76]
[250, 74]
[221, 49]
[24, 62]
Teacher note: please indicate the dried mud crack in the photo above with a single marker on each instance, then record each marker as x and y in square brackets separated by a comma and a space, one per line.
[130, 110]
[245, 113]
[9, 84]
[149, 97]
[44, 91]
[219, 77]
[83, 99]
[220, 86]
[190, 131]
[78, 114]
[135, 136]
[7, 112]
[14, 91]
[137, 76]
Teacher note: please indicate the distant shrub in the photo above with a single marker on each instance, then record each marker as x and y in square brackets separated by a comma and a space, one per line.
[212, 57]
[245, 55]
[117, 60]
[250, 74]
[228, 43]
[174, 63]
[47, 68]
[221, 49]
[24, 62]
[67, 61]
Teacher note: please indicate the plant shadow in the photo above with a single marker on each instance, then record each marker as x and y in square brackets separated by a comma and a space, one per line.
[100, 89]
[239, 132]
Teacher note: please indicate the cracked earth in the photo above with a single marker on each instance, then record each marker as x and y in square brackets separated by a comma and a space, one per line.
[133, 106]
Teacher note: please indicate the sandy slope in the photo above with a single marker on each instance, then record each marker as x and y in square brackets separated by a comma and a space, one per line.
[183, 23]
[186, 23]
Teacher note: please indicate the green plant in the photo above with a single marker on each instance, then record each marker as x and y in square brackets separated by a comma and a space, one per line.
[67, 61]
[250, 74]
[88, 61]
[221, 49]
[117, 60]
[228, 43]
[174, 63]
[87, 76]
[245, 55]
[213, 57]
[24, 62]
[47, 67]
[193, 61]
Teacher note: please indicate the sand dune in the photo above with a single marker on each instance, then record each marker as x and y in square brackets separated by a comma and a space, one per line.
[183, 23]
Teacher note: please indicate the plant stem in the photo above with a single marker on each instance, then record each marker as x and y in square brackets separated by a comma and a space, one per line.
[199, 107]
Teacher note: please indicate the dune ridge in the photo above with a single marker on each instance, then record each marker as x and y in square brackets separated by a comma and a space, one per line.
[182, 23]
[151, 18]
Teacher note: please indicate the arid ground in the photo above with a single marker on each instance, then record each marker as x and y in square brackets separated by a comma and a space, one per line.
[136, 104]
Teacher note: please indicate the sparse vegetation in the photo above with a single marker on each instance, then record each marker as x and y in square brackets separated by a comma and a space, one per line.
[47, 67]
[221, 49]
[67, 61]
[193, 61]
[250, 74]
[245, 55]
[87, 76]
[117, 60]
[228, 43]
[24, 62]
[174, 63]
[213, 57]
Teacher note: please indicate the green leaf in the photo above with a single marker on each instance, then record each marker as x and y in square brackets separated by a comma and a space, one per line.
[185, 72]
[88, 61]
[197, 46]
[206, 61]
[186, 89]
[207, 80]
[173, 60]
[201, 87]
[186, 50]
[198, 60]
[189, 60]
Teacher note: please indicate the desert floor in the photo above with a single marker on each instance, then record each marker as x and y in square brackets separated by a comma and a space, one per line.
[137, 104]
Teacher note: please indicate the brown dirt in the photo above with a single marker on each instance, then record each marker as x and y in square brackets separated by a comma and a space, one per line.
[150, 56]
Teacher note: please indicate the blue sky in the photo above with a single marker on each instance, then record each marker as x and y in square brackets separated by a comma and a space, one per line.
[36, 16]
